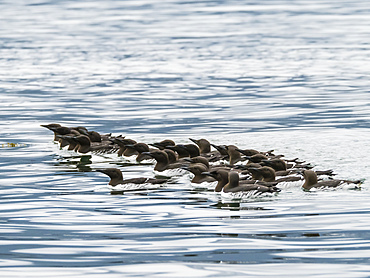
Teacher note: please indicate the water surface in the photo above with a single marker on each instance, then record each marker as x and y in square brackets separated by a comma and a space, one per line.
[285, 75]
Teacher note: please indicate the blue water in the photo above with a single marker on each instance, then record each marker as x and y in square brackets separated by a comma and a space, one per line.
[292, 76]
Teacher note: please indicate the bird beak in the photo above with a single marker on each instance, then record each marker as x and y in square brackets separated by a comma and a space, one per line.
[219, 147]
[193, 140]
[118, 141]
[208, 174]
[84, 132]
[301, 172]
[254, 169]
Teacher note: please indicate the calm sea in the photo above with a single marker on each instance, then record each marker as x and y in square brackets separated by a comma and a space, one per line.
[292, 76]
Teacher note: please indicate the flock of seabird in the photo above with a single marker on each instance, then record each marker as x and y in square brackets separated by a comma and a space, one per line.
[235, 170]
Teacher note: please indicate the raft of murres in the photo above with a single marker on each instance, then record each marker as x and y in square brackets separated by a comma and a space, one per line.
[231, 169]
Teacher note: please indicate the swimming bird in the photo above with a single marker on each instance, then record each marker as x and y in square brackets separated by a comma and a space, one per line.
[221, 176]
[72, 142]
[234, 185]
[245, 169]
[293, 171]
[256, 158]
[172, 156]
[180, 150]
[52, 127]
[140, 148]
[234, 155]
[203, 160]
[221, 149]
[300, 165]
[163, 144]
[95, 136]
[248, 152]
[61, 130]
[198, 159]
[198, 169]
[203, 144]
[161, 158]
[276, 163]
[268, 174]
[162, 161]
[312, 182]
[287, 172]
[192, 149]
[116, 178]
[205, 150]
[122, 142]
[256, 174]
[325, 172]
[85, 145]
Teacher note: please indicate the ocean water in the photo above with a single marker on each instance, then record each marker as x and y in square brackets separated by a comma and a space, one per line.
[292, 76]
